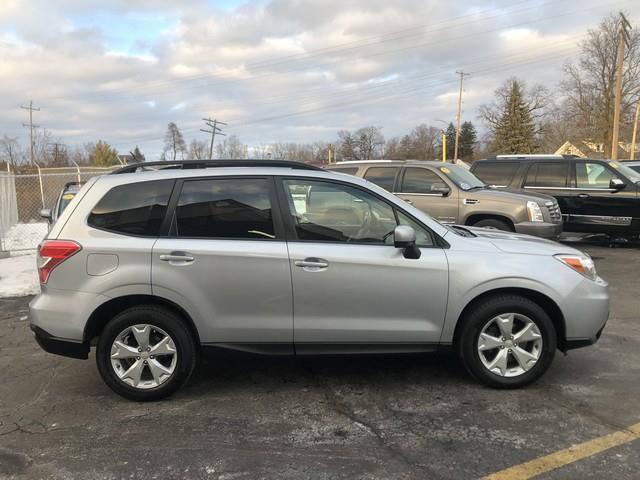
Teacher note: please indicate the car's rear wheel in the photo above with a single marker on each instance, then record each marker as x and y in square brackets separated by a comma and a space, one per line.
[507, 341]
[146, 353]
[494, 223]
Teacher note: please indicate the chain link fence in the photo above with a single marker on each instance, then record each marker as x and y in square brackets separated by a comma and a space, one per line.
[23, 193]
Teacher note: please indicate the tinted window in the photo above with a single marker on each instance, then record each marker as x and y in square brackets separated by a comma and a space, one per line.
[382, 176]
[593, 175]
[547, 174]
[421, 180]
[495, 173]
[225, 208]
[135, 208]
[325, 211]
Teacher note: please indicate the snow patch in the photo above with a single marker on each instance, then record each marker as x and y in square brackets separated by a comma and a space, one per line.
[19, 276]
[24, 236]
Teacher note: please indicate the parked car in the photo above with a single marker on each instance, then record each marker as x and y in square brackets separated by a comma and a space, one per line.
[67, 194]
[453, 195]
[633, 165]
[595, 196]
[159, 264]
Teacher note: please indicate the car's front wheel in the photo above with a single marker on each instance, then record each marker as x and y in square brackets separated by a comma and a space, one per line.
[507, 341]
[146, 353]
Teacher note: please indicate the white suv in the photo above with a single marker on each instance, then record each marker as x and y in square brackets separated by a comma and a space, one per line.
[157, 260]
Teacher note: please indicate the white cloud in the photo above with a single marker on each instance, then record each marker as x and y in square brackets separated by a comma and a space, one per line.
[311, 67]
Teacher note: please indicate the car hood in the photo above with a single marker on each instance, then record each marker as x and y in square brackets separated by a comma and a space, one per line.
[519, 243]
[505, 195]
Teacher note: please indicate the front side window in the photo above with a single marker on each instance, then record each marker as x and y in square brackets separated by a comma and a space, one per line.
[382, 176]
[225, 208]
[421, 180]
[547, 174]
[593, 175]
[133, 209]
[331, 212]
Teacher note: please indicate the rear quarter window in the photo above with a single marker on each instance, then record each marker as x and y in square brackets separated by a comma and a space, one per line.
[133, 209]
[382, 176]
[494, 173]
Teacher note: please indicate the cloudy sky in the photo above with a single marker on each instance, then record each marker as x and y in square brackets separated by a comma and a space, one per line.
[274, 70]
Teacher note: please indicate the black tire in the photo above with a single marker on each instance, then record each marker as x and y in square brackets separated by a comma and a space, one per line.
[494, 223]
[173, 324]
[483, 312]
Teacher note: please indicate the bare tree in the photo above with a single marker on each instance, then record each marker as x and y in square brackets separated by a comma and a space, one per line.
[589, 84]
[198, 150]
[10, 150]
[173, 143]
[363, 144]
[424, 140]
[231, 147]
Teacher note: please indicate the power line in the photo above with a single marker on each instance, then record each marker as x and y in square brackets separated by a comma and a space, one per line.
[213, 124]
[31, 126]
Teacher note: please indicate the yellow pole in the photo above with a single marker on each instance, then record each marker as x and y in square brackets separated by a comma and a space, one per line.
[444, 146]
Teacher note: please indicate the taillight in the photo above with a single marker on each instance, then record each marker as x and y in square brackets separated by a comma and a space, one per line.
[52, 253]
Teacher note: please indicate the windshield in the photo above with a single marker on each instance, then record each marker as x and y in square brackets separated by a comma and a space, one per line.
[463, 178]
[627, 171]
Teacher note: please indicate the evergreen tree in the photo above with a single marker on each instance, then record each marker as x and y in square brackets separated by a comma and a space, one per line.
[137, 155]
[103, 155]
[515, 130]
[468, 137]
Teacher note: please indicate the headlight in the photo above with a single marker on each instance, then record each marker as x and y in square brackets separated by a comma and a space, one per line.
[535, 212]
[583, 264]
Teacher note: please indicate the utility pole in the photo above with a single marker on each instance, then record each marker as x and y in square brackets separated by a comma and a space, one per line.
[31, 126]
[623, 38]
[459, 115]
[635, 131]
[213, 124]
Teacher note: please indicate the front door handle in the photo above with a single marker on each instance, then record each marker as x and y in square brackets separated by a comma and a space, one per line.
[177, 257]
[583, 195]
[408, 201]
[312, 264]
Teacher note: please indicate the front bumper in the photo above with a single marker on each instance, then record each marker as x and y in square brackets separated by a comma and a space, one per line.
[586, 313]
[60, 346]
[540, 229]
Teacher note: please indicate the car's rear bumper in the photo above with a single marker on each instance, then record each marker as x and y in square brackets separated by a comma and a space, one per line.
[60, 346]
[540, 229]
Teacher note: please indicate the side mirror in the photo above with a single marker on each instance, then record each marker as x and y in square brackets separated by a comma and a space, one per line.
[616, 184]
[443, 189]
[404, 237]
[46, 214]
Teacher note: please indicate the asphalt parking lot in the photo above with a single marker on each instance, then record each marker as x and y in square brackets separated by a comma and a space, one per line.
[329, 418]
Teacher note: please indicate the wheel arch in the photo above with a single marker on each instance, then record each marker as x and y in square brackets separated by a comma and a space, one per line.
[550, 307]
[476, 217]
[107, 310]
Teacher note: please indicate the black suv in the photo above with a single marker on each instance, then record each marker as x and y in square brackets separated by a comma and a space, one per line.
[595, 196]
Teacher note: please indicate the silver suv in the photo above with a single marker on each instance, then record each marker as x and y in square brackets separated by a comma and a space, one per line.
[453, 195]
[155, 261]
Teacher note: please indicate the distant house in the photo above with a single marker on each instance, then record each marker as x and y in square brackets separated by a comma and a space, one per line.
[588, 149]
[125, 159]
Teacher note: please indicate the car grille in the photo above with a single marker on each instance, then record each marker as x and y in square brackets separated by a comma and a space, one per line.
[554, 211]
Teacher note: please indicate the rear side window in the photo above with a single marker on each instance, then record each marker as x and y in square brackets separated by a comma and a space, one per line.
[421, 180]
[225, 208]
[382, 176]
[547, 174]
[133, 209]
[495, 173]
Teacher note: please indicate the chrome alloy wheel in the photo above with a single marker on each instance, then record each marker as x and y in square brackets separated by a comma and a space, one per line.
[510, 344]
[143, 356]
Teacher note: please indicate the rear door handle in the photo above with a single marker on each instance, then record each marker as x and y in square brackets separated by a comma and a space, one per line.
[312, 264]
[583, 195]
[408, 201]
[177, 257]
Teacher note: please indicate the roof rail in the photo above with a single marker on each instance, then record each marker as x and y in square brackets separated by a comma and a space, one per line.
[530, 156]
[188, 164]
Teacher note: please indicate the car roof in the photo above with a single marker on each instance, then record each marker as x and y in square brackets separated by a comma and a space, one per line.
[356, 163]
[532, 157]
